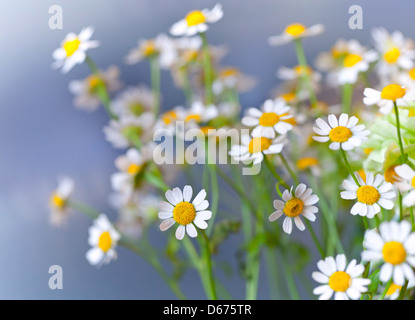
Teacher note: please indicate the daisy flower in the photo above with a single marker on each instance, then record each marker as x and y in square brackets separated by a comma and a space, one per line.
[339, 278]
[294, 205]
[343, 132]
[298, 73]
[103, 239]
[199, 113]
[73, 49]
[86, 90]
[133, 101]
[295, 31]
[406, 183]
[374, 192]
[187, 214]
[385, 99]
[196, 22]
[58, 202]
[232, 79]
[394, 246]
[254, 149]
[162, 47]
[274, 117]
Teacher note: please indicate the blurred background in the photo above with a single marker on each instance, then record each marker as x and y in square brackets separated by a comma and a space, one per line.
[42, 135]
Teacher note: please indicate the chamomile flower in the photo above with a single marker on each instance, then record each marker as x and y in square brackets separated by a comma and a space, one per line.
[342, 132]
[162, 47]
[197, 22]
[73, 49]
[180, 210]
[274, 117]
[103, 239]
[133, 101]
[86, 91]
[385, 99]
[254, 149]
[339, 278]
[358, 60]
[297, 73]
[58, 202]
[199, 113]
[294, 205]
[232, 79]
[295, 31]
[406, 183]
[394, 246]
[374, 192]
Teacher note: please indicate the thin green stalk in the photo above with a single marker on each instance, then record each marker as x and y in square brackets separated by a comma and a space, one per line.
[400, 206]
[349, 168]
[289, 277]
[187, 88]
[215, 194]
[412, 218]
[386, 290]
[347, 98]
[403, 291]
[155, 82]
[208, 261]
[398, 129]
[291, 172]
[271, 265]
[313, 235]
[207, 69]
[274, 172]
[102, 90]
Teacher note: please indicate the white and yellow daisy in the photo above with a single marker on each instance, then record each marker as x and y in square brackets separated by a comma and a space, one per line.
[231, 78]
[197, 21]
[295, 31]
[162, 47]
[394, 246]
[396, 52]
[374, 192]
[103, 239]
[133, 101]
[254, 149]
[122, 132]
[274, 117]
[199, 113]
[180, 210]
[86, 90]
[298, 73]
[386, 98]
[294, 205]
[358, 60]
[394, 290]
[73, 49]
[343, 132]
[407, 78]
[406, 183]
[339, 278]
[58, 202]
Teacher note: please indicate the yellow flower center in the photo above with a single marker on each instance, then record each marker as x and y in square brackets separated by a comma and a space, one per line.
[340, 281]
[340, 134]
[194, 18]
[58, 201]
[392, 55]
[148, 48]
[351, 60]
[259, 144]
[71, 46]
[362, 174]
[305, 163]
[390, 174]
[136, 108]
[184, 213]
[336, 53]
[105, 241]
[394, 252]
[368, 195]
[189, 55]
[412, 74]
[194, 117]
[269, 119]
[169, 117]
[392, 92]
[392, 289]
[413, 182]
[290, 96]
[302, 71]
[411, 112]
[293, 207]
[295, 30]
[368, 151]
[93, 82]
[133, 169]
[229, 72]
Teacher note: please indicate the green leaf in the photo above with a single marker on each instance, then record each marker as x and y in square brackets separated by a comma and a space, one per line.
[374, 284]
[221, 231]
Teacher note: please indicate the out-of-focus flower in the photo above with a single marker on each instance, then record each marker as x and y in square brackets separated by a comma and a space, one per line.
[343, 132]
[73, 49]
[133, 101]
[372, 194]
[274, 117]
[309, 163]
[162, 47]
[295, 31]
[295, 205]
[297, 73]
[103, 239]
[187, 214]
[356, 61]
[340, 279]
[122, 133]
[254, 149]
[406, 183]
[394, 246]
[58, 202]
[86, 90]
[232, 79]
[385, 99]
[196, 21]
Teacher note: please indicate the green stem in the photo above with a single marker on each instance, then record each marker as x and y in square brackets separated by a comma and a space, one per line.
[412, 218]
[313, 235]
[398, 128]
[400, 206]
[343, 153]
[208, 261]
[215, 194]
[403, 291]
[274, 172]
[207, 69]
[347, 97]
[155, 82]
[291, 172]
[289, 277]
[386, 290]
